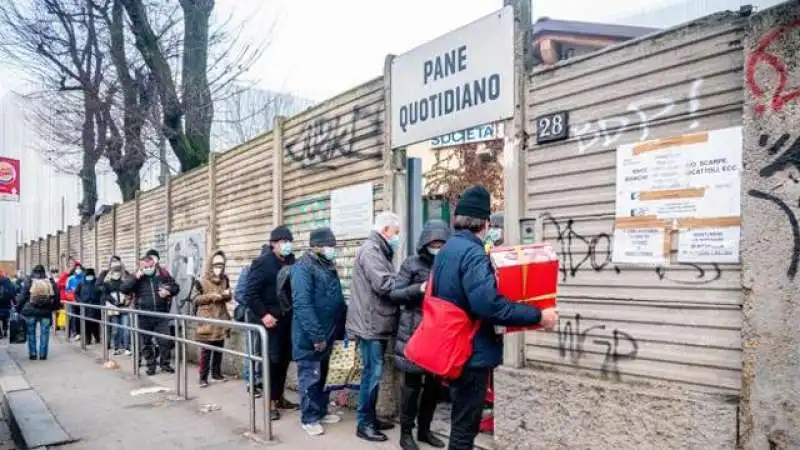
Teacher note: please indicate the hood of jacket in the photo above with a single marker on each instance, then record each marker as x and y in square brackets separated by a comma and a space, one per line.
[208, 270]
[434, 230]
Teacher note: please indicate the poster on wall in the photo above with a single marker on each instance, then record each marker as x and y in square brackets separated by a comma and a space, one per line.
[685, 186]
[9, 179]
[352, 211]
[186, 257]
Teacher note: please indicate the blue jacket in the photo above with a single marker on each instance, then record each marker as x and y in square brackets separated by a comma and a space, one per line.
[241, 284]
[318, 306]
[463, 274]
[7, 293]
[73, 282]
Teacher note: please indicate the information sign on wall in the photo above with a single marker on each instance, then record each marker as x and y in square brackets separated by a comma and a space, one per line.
[352, 211]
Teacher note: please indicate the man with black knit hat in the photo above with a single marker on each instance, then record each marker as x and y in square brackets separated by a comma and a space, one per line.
[262, 297]
[463, 274]
[319, 310]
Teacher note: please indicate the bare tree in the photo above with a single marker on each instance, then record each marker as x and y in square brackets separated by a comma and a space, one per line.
[458, 168]
[59, 43]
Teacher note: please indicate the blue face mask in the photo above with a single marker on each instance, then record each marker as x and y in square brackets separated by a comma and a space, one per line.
[493, 235]
[395, 242]
[285, 249]
[329, 253]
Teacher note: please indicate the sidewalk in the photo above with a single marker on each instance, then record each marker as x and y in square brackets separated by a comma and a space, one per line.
[95, 405]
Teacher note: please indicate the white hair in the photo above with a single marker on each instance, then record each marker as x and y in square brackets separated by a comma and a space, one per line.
[386, 219]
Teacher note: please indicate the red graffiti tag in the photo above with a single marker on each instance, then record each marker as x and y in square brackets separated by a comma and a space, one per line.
[760, 55]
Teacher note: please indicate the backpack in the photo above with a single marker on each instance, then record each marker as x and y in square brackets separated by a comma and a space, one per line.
[284, 289]
[41, 292]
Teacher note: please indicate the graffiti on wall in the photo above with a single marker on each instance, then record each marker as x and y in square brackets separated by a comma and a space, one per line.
[616, 345]
[767, 74]
[325, 138]
[641, 113]
[786, 152]
[186, 258]
[577, 251]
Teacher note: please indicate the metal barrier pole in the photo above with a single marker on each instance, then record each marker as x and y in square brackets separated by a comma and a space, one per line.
[83, 327]
[179, 348]
[135, 350]
[104, 332]
[184, 363]
[265, 376]
[251, 375]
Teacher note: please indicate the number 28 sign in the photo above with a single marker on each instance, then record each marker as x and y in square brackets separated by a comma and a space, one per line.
[552, 127]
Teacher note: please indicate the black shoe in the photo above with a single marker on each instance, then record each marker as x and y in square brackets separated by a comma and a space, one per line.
[167, 369]
[203, 383]
[151, 371]
[380, 425]
[274, 414]
[407, 441]
[371, 434]
[219, 378]
[32, 357]
[257, 392]
[43, 358]
[430, 439]
[287, 405]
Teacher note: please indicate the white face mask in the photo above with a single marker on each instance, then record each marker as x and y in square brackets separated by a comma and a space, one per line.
[217, 271]
[78, 271]
[150, 271]
[329, 253]
[285, 249]
[115, 275]
[433, 250]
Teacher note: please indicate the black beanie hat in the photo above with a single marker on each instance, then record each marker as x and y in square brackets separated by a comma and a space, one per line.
[281, 233]
[322, 237]
[152, 252]
[475, 202]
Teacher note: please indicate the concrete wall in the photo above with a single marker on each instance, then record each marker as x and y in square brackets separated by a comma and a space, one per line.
[770, 408]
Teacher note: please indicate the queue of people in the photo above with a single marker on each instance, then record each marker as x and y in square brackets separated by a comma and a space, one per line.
[301, 304]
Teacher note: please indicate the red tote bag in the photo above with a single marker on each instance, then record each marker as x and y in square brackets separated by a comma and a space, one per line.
[442, 344]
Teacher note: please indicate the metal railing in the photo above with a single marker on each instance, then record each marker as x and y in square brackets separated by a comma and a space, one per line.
[181, 378]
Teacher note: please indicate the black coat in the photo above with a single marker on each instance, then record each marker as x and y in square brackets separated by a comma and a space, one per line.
[90, 293]
[414, 271]
[261, 298]
[27, 309]
[145, 291]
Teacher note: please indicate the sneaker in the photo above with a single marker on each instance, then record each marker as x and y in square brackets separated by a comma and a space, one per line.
[76, 338]
[258, 392]
[330, 419]
[287, 405]
[219, 378]
[151, 371]
[313, 429]
[203, 383]
[127, 353]
[167, 369]
[32, 357]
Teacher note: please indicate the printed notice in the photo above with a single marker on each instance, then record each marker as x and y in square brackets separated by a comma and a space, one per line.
[639, 246]
[690, 184]
[352, 211]
[709, 245]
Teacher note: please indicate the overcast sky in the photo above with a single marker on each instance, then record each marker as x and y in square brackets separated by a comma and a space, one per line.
[319, 48]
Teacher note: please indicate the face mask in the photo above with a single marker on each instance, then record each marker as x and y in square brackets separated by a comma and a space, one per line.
[217, 271]
[115, 275]
[150, 271]
[329, 253]
[493, 235]
[285, 249]
[433, 250]
[89, 278]
[78, 271]
[395, 242]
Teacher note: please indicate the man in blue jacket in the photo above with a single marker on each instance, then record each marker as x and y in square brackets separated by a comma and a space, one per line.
[463, 274]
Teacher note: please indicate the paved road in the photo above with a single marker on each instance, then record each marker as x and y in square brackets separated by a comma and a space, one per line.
[95, 405]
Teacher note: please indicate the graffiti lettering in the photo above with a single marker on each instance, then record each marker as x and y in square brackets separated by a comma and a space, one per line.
[789, 157]
[607, 132]
[779, 97]
[324, 139]
[571, 342]
[578, 251]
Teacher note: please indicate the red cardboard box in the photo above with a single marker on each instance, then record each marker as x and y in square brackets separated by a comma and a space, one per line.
[527, 273]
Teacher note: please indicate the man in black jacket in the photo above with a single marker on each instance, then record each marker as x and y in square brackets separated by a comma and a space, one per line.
[264, 306]
[153, 290]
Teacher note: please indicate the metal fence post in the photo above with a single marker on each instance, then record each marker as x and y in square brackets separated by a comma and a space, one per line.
[251, 378]
[178, 358]
[82, 311]
[265, 376]
[184, 364]
[104, 332]
[135, 341]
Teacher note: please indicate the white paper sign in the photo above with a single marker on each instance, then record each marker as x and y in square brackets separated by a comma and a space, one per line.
[639, 246]
[709, 245]
[352, 211]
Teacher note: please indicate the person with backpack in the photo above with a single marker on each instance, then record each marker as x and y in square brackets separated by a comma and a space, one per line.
[37, 302]
[7, 296]
[463, 277]
[274, 311]
[89, 293]
[210, 296]
[420, 391]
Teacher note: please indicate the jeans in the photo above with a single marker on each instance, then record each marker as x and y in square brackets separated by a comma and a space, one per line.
[120, 338]
[314, 400]
[256, 351]
[44, 335]
[468, 393]
[420, 395]
[372, 353]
